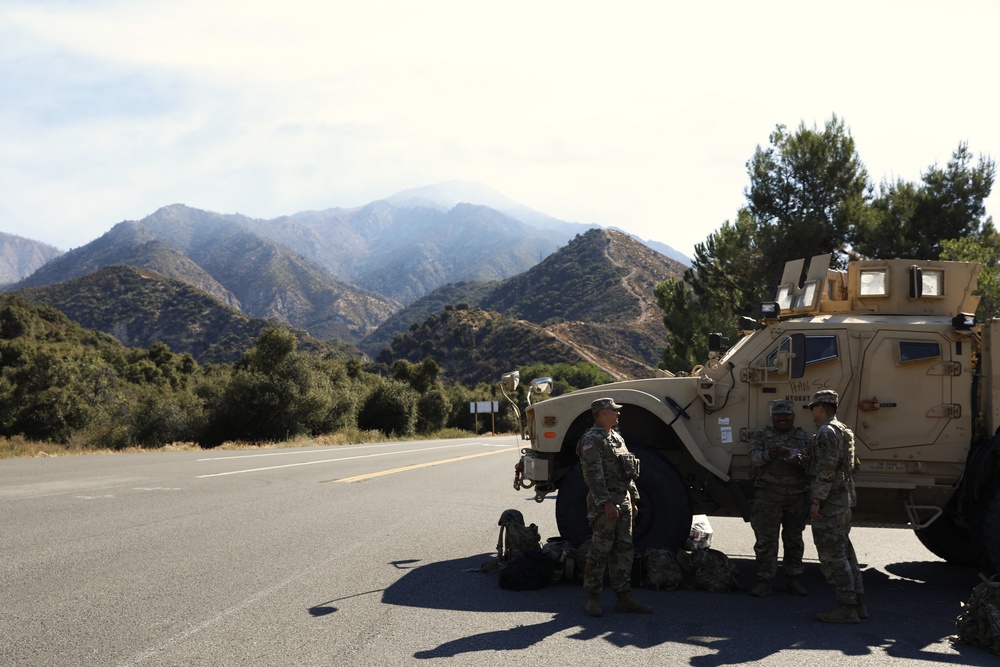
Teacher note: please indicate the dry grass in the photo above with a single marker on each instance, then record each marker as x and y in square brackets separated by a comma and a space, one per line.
[19, 447]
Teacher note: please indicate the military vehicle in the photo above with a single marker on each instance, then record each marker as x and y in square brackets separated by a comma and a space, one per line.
[919, 383]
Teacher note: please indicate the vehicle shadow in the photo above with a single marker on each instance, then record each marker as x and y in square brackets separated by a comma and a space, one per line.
[913, 608]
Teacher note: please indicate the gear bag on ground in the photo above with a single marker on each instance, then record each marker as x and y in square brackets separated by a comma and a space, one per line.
[515, 538]
[979, 622]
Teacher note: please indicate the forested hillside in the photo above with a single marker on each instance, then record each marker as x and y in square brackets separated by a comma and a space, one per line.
[142, 308]
[595, 298]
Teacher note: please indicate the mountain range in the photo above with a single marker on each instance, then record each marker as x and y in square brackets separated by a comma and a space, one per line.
[359, 276]
[589, 301]
[20, 257]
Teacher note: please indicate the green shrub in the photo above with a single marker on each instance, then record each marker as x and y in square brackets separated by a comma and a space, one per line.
[391, 408]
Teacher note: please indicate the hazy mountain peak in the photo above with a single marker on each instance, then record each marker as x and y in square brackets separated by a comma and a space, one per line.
[20, 257]
[447, 195]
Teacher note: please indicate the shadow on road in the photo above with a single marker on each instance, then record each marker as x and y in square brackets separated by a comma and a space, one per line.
[913, 608]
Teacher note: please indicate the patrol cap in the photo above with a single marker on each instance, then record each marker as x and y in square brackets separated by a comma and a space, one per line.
[782, 406]
[827, 396]
[604, 404]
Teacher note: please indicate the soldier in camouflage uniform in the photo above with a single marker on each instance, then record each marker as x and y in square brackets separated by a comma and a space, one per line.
[610, 472]
[833, 496]
[781, 497]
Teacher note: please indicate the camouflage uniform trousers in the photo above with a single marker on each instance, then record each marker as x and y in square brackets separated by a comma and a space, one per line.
[611, 547]
[837, 560]
[775, 513]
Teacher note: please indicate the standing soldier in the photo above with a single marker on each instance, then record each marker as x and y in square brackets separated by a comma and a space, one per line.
[833, 496]
[610, 472]
[781, 497]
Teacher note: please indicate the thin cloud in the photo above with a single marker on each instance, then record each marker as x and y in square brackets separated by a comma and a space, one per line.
[641, 116]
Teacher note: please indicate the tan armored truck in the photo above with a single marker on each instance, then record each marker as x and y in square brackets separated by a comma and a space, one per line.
[919, 381]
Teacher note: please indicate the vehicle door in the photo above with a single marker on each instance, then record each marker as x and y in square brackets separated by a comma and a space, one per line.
[794, 367]
[905, 396]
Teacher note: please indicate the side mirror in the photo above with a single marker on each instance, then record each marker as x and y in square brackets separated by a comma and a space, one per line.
[541, 386]
[781, 362]
[509, 381]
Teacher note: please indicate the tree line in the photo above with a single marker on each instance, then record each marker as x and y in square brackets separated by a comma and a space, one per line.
[809, 194]
[65, 384]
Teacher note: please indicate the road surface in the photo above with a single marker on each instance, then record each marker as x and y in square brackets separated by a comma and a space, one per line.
[369, 555]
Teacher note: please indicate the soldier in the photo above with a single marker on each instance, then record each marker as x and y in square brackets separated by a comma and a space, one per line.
[833, 496]
[781, 497]
[610, 472]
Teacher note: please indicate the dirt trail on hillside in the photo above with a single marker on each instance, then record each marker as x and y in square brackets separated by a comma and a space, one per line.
[586, 354]
[627, 283]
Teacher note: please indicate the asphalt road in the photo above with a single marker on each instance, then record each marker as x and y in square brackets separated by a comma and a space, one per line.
[369, 555]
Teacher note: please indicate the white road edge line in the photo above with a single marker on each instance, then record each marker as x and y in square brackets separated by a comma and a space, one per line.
[345, 458]
[301, 452]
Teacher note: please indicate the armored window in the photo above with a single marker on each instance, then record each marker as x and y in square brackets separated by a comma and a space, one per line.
[933, 283]
[811, 350]
[784, 297]
[874, 283]
[915, 351]
[806, 297]
[820, 348]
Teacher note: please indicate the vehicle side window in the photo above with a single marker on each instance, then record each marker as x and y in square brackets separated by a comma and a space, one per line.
[811, 350]
[820, 348]
[804, 350]
[915, 351]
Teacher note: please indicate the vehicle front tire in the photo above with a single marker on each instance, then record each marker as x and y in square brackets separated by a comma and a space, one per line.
[664, 519]
[947, 539]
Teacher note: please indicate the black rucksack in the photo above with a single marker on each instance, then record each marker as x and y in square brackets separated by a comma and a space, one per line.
[529, 571]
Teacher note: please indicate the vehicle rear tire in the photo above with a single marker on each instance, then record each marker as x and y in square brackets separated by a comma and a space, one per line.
[946, 539]
[664, 519]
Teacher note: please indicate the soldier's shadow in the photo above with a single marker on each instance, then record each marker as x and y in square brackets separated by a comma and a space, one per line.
[911, 611]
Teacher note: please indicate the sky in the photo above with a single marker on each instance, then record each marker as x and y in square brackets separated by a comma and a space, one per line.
[639, 115]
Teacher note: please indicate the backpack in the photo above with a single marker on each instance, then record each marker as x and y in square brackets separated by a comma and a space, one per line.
[515, 538]
[660, 570]
[979, 622]
[710, 570]
[529, 571]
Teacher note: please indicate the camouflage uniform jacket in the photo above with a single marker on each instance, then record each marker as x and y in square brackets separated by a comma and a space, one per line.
[789, 476]
[832, 465]
[604, 462]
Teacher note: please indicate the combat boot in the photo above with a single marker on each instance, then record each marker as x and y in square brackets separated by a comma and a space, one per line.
[843, 613]
[627, 603]
[860, 607]
[795, 586]
[593, 605]
[761, 588]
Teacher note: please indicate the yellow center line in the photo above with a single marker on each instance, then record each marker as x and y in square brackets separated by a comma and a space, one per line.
[415, 466]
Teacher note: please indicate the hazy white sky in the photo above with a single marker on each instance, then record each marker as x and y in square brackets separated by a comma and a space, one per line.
[640, 115]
